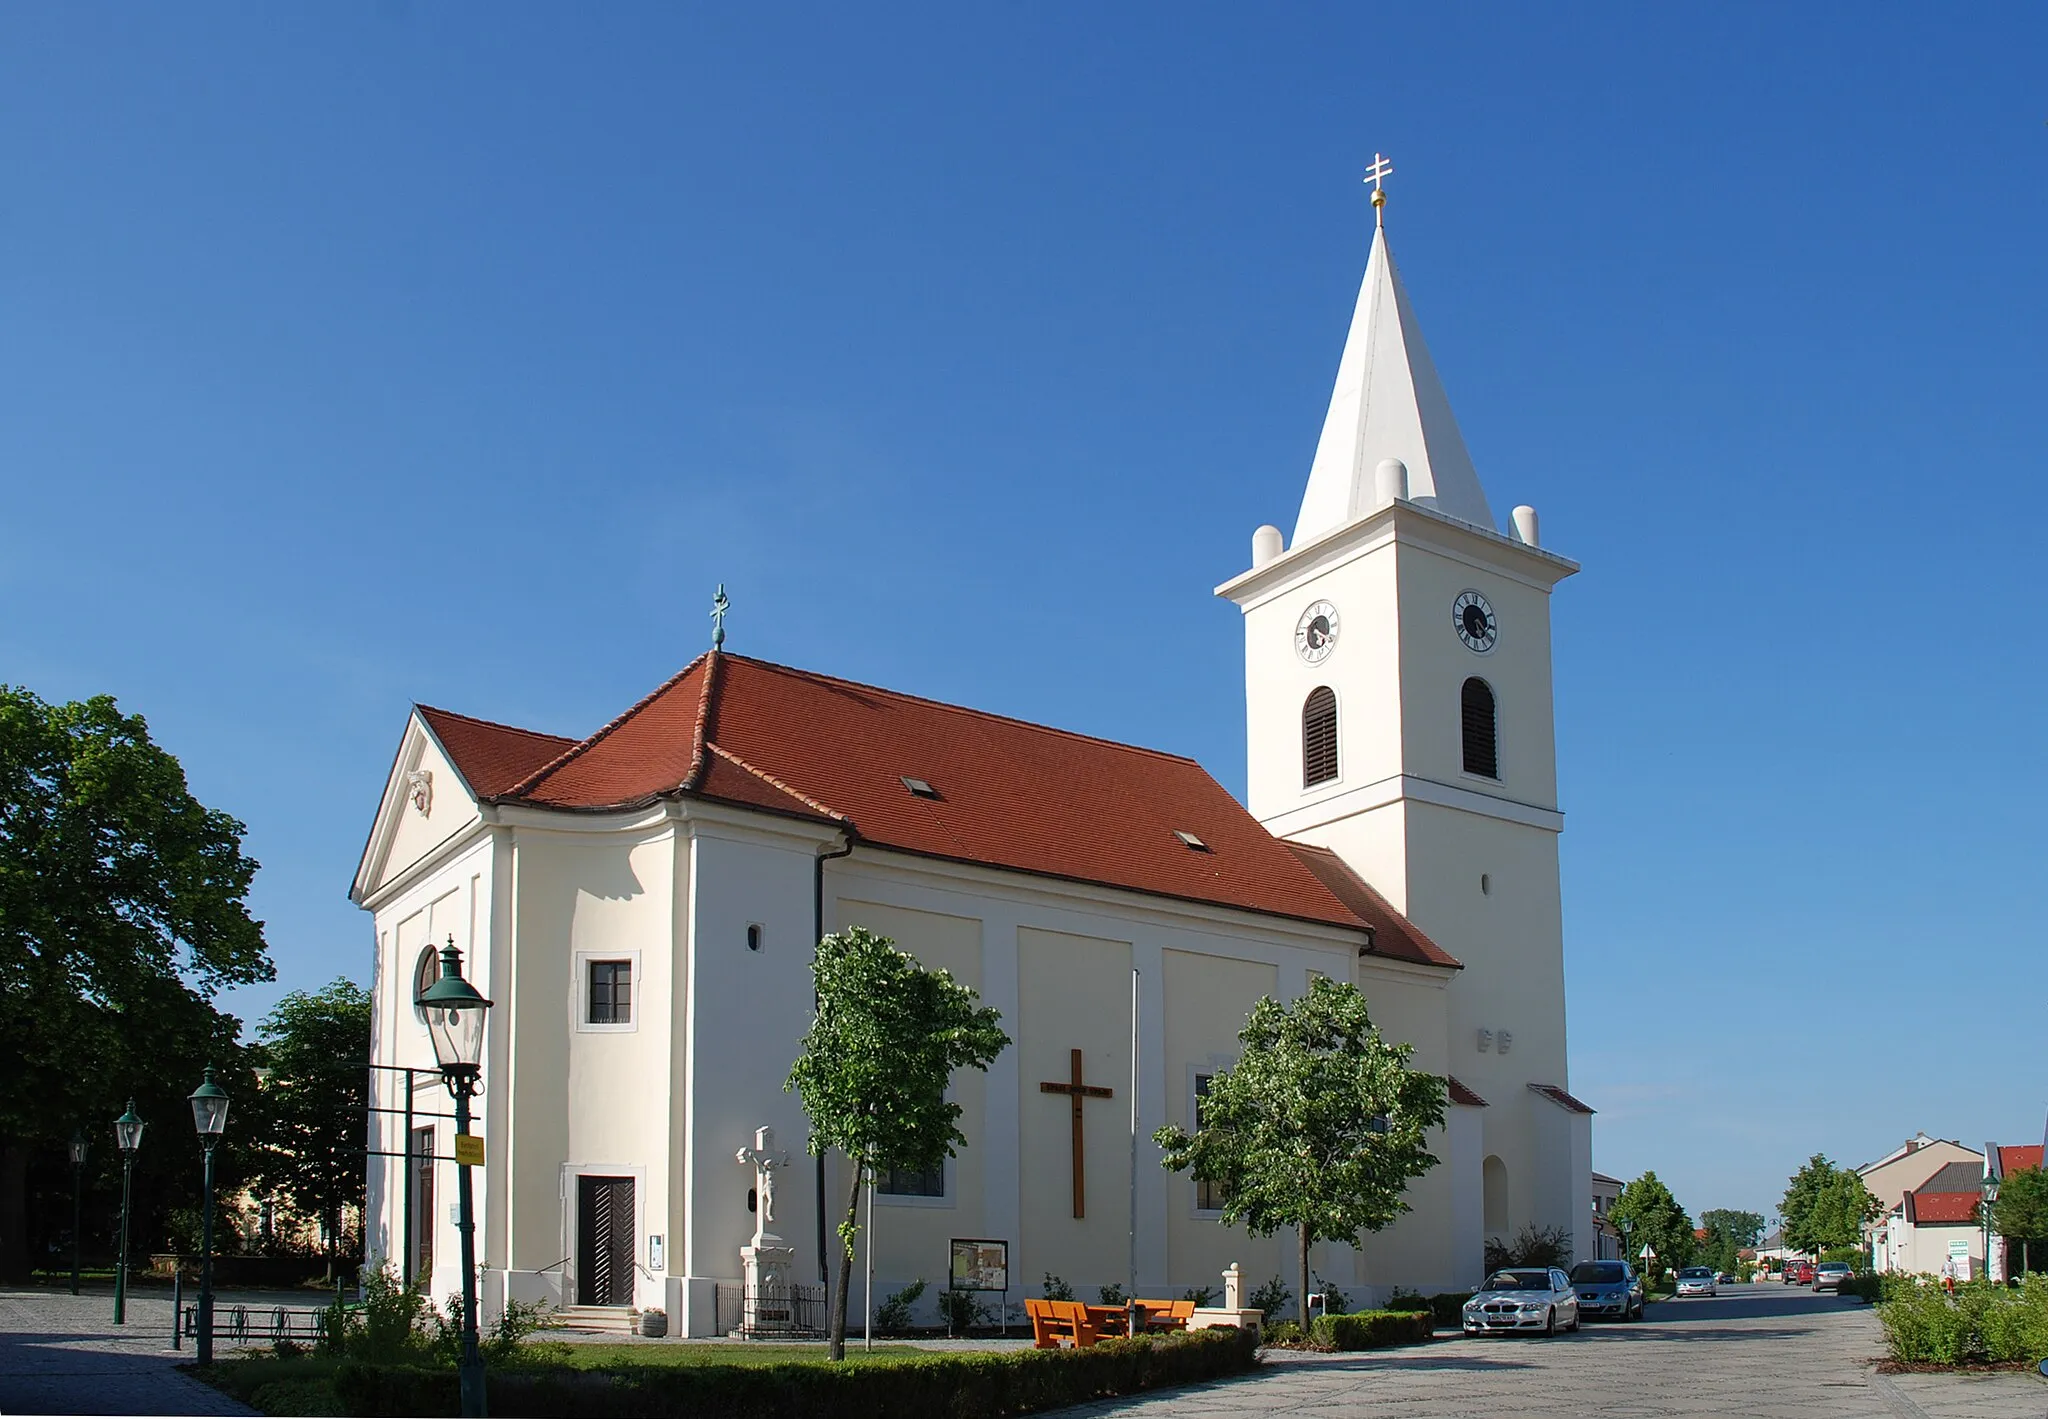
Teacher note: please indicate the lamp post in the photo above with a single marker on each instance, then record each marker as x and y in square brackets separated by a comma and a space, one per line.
[455, 1021]
[77, 1177]
[209, 1115]
[1984, 1210]
[128, 1134]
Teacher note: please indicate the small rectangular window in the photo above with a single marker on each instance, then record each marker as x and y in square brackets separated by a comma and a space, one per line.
[611, 993]
[911, 1182]
[1209, 1196]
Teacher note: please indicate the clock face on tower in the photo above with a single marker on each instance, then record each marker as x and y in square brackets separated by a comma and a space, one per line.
[1476, 624]
[1315, 634]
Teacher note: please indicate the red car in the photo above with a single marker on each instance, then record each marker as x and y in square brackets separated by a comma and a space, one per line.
[1798, 1273]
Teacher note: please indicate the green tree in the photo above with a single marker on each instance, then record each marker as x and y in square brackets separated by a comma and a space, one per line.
[308, 1118]
[1319, 1126]
[2021, 1212]
[1728, 1232]
[888, 1037]
[1825, 1206]
[1645, 1213]
[122, 912]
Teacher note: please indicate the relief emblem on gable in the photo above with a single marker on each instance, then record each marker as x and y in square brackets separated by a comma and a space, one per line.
[419, 787]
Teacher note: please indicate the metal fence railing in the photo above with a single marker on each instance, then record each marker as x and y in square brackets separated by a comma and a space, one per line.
[792, 1311]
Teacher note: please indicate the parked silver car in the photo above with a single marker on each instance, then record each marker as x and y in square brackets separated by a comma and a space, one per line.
[1608, 1288]
[1523, 1298]
[1830, 1275]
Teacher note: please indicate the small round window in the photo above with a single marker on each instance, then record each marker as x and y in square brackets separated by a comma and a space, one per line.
[425, 972]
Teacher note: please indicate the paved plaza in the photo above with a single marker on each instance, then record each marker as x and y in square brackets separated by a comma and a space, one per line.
[1761, 1353]
[63, 1354]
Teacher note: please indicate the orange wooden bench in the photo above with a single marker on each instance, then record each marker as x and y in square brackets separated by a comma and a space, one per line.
[1167, 1315]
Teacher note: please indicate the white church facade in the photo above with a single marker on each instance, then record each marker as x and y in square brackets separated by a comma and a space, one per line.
[642, 904]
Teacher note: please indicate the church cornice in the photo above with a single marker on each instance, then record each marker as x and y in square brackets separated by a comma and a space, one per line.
[1399, 522]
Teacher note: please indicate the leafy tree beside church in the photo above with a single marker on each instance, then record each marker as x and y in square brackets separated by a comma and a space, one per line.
[306, 1121]
[123, 910]
[1826, 1206]
[1646, 1214]
[887, 1039]
[1319, 1126]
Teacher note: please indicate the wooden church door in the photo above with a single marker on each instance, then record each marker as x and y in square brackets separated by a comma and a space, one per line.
[604, 1241]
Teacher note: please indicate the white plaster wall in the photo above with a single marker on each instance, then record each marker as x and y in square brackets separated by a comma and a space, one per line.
[748, 1013]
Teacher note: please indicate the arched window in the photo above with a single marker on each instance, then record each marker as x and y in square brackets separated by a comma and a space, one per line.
[1493, 1196]
[1482, 739]
[1319, 737]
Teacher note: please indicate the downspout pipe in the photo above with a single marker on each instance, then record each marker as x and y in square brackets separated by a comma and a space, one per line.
[817, 935]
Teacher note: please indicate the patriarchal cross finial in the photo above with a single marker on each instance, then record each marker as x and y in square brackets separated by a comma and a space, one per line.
[1382, 168]
[719, 606]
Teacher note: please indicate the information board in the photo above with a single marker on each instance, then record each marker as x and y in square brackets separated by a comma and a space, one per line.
[979, 1264]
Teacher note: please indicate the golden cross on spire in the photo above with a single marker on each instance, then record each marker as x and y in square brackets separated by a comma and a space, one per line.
[1382, 168]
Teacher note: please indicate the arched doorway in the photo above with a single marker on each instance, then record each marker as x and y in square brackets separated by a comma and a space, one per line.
[1494, 1204]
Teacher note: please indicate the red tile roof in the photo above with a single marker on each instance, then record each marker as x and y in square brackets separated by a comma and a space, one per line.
[1393, 934]
[492, 757]
[2014, 1156]
[1937, 1209]
[1009, 794]
[1561, 1098]
[1461, 1093]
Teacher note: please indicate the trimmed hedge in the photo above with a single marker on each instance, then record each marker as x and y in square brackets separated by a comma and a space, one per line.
[1448, 1306]
[1983, 1321]
[937, 1386]
[1372, 1330]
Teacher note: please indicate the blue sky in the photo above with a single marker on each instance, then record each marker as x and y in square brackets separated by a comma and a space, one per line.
[353, 356]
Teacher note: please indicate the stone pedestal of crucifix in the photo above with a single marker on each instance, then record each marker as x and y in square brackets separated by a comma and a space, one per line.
[768, 1262]
[1233, 1314]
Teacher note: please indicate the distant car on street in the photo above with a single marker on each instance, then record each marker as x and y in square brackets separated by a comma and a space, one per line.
[1798, 1273]
[1608, 1288]
[1830, 1275]
[1696, 1281]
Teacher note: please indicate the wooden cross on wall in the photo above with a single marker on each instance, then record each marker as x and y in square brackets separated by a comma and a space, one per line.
[1077, 1091]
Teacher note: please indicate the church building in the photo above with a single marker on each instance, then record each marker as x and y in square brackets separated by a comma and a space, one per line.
[642, 904]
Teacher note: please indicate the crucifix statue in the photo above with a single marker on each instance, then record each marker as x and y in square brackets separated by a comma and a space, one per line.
[1076, 1092]
[765, 1159]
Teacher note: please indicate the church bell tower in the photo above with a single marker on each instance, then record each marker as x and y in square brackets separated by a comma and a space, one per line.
[1399, 713]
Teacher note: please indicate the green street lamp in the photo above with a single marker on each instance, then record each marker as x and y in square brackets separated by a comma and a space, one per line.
[209, 1116]
[128, 1134]
[77, 1177]
[455, 1021]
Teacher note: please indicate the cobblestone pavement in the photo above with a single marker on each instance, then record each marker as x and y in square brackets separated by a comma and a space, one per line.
[1765, 1353]
[63, 1354]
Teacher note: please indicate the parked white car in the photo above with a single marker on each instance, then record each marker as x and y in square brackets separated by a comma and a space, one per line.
[1523, 1298]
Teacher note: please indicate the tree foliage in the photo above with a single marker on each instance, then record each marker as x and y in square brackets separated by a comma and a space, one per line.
[1826, 1206]
[1319, 1126]
[876, 1061]
[122, 912]
[1727, 1233]
[1645, 1213]
[2021, 1212]
[308, 1119]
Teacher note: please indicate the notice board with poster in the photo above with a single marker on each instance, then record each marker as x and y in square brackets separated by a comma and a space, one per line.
[979, 1264]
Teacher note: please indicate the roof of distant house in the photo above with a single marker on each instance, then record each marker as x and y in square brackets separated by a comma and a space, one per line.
[1955, 1177]
[917, 776]
[1941, 1209]
[2014, 1156]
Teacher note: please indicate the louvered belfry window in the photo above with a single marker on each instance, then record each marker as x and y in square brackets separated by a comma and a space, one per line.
[1482, 741]
[1319, 737]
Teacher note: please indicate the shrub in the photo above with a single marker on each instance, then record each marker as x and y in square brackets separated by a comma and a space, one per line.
[1848, 1256]
[1272, 1298]
[1112, 1294]
[1866, 1287]
[391, 1326]
[1372, 1330]
[938, 1385]
[963, 1310]
[1057, 1289]
[1449, 1308]
[1335, 1302]
[1532, 1246]
[1405, 1300]
[1923, 1326]
[1200, 1295]
[1284, 1333]
[892, 1317]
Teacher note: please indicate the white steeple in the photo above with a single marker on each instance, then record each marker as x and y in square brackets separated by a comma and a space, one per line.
[1388, 403]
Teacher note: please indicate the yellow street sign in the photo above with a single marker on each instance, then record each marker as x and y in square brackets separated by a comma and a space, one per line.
[469, 1150]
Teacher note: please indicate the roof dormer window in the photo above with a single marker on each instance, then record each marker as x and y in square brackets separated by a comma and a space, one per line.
[1190, 841]
[919, 787]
